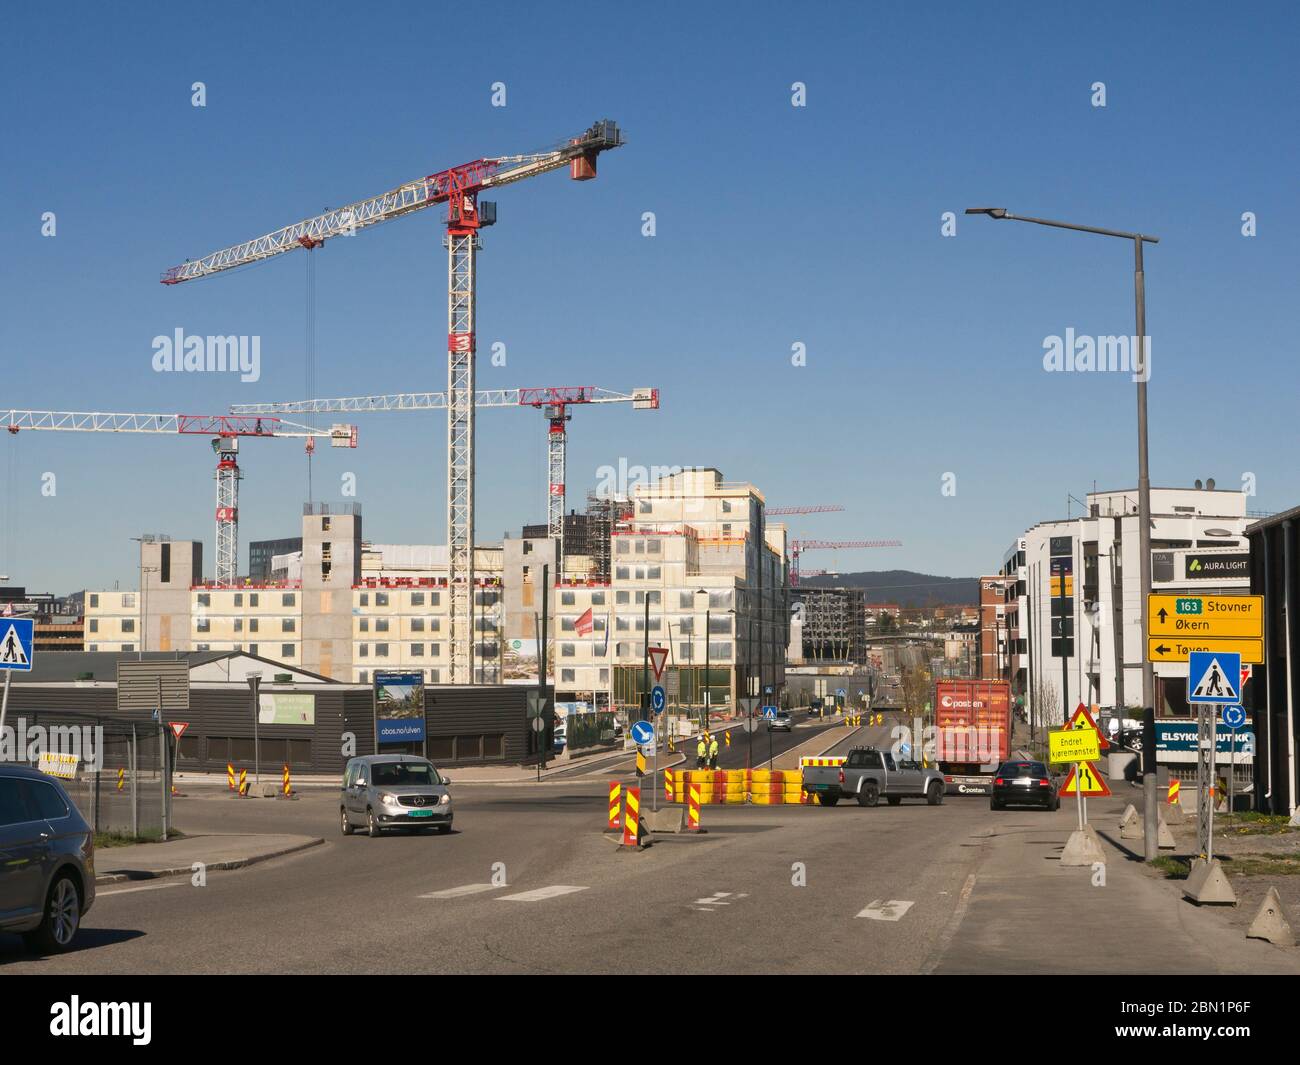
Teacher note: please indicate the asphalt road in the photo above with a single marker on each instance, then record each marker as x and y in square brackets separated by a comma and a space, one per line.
[725, 901]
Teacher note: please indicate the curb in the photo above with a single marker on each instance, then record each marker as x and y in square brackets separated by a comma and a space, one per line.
[233, 863]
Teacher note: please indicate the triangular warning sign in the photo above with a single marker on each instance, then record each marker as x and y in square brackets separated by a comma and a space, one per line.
[1214, 683]
[658, 656]
[1084, 780]
[11, 648]
[1083, 719]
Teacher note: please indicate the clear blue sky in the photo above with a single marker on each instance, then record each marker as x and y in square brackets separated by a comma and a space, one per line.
[776, 225]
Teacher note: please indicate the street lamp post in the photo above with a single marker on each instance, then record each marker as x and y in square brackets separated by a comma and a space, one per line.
[1150, 839]
[254, 683]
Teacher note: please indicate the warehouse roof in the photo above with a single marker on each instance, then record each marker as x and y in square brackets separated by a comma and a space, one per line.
[55, 667]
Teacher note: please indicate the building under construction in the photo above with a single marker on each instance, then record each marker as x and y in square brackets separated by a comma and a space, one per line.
[834, 623]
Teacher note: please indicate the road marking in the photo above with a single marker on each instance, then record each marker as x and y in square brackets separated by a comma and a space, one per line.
[719, 898]
[457, 892]
[541, 894]
[892, 910]
[128, 890]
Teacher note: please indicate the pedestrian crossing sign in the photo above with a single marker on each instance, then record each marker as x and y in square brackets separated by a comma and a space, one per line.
[1213, 677]
[1086, 781]
[16, 643]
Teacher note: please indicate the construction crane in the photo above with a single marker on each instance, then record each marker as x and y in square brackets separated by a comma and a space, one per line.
[224, 430]
[553, 402]
[459, 188]
[823, 508]
[798, 547]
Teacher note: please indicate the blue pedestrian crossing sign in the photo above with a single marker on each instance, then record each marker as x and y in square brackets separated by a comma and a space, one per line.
[1214, 677]
[16, 643]
[658, 698]
[769, 711]
[1234, 716]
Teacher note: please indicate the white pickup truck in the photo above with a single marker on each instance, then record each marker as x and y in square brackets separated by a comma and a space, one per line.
[868, 774]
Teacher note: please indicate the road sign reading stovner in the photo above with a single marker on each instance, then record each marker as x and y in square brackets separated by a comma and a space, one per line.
[1073, 745]
[1179, 625]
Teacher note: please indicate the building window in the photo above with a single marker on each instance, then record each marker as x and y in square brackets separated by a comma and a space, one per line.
[128, 625]
[381, 599]
[94, 625]
[568, 599]
[644, 506]
[252, 599]
[287, 624]
[363, 650]
[94, 600]
[686, 626]
[381, 650]
[433, 676]
[239, 624]
[597, 650]
[567, 624]
[204, 599]
[435, 598]
[417, 650]
[93, 647]
[252, 624]
[128, 599]
[417, 624]
[417, 599]
[363, 676]
[365, 625]
[288, 599]
[567, 650]
[435, 649]
[653, 572]
[286, 650]
[239, 599]
[365, 598]
[597, 598]
[381, 624]
[566, 676]
[653, 547]
[252, 648]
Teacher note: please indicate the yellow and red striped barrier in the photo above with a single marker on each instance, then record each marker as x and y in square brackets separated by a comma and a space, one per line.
[668, 785]
[693, 808]
[243, 783]
[1174, 788]
[632, 817]
[615, 804]
[230, 776]
[288, 790]
[121, 779]
[727, 736]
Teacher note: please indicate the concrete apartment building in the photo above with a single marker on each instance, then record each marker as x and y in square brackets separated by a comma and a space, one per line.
[696, 552]
[346, 609]
[1087, 643]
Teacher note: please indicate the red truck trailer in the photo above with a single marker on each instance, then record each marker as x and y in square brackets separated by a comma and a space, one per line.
[972, 732]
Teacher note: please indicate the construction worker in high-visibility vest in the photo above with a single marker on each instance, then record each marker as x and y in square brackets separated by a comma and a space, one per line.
[713, 752]
[702, 751]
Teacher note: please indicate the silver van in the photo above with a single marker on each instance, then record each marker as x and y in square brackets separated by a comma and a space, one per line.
[47, 860]
[394, 791]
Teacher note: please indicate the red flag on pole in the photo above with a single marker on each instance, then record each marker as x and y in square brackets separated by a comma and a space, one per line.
[584, 623]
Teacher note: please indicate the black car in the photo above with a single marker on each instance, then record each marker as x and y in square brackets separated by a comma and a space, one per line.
[1024, 784]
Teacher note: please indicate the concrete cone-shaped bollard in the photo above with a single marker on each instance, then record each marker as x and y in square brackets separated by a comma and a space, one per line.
[1083, 848]
[1270, 922]
[1130, 825]
[1207, 883]
[1173, 813]
[1164, 838]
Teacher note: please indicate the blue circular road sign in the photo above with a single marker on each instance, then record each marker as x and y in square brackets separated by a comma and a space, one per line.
[658, 698]
[643, 732]
[1234, 716]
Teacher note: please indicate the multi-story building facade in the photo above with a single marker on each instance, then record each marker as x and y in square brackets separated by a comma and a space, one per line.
[1073, 599]
[695, 569]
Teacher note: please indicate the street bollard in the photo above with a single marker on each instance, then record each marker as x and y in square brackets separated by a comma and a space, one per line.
[615, 804]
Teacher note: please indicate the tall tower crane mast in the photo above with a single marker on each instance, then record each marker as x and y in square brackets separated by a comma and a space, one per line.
[225, 431]
[553, 402]
[798, 547]
[459, 188]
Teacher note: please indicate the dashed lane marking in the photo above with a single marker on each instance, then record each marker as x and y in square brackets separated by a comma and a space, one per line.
[541, 894]
[892, 910]
[464, 889]
[129, 890]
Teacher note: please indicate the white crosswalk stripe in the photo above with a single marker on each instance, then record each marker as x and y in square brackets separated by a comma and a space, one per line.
[464, 889]
[541, 894]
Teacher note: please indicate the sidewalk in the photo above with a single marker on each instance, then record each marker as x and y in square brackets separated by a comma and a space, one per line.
[1026, 913]
[149, 861]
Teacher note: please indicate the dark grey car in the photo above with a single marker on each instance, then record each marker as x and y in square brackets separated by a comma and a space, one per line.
[382, 791]
[47, 860]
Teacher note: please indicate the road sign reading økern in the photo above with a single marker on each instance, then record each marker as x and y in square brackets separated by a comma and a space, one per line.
[658, 656]
[16, 636]
[1178, 625]
[1084, 780]
[1214, 677]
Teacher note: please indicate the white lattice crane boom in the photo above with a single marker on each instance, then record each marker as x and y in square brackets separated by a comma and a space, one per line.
[553, 402]
[224, 430]
[821, 508]
[459, 188]
[798, 547]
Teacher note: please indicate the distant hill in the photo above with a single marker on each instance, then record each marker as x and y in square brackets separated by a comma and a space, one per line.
[905, 587]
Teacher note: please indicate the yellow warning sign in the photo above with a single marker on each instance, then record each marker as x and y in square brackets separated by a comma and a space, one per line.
[1073, 745]
[1084, 780]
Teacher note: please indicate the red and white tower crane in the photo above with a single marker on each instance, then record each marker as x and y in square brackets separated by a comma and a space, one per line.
[554, 403]
[821, 508]
[798, 547]
[225, 431]
[459, 188]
